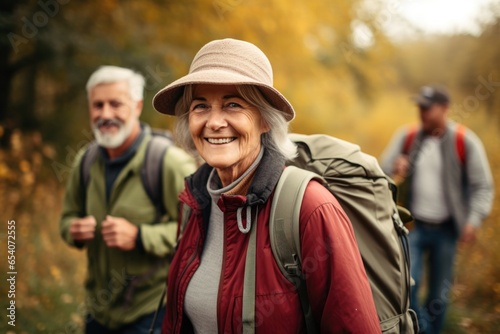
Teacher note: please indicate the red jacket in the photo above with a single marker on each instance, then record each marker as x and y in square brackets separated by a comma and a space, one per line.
[337, 286]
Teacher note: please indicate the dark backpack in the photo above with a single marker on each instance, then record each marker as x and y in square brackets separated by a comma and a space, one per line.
[150, 170]
[368, 197]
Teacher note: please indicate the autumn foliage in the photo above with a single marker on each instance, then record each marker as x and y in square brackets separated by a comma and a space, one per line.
[331, 59]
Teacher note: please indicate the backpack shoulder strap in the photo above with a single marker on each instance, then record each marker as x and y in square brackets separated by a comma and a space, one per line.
[151, 171]
[284, 229]
[460, 143]
[284, 232]
[87, 160]
[411, 133]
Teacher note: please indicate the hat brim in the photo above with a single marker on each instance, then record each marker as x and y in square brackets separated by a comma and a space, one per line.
[164, 101]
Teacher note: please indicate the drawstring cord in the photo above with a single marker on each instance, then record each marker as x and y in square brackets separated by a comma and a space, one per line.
[248, 226]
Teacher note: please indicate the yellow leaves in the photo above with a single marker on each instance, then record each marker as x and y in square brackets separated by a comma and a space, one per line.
[49, 151]
[55, 272]
[24, 166]
[16, 142]
[466, 322]
[77, 319]
[269, 25]
[5, 172]
[496, 288]
[67, 298]
[109, 5]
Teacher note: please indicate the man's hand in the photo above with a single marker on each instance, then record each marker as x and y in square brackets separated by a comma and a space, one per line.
[401, 166]
[119, 233]
[468, 234]
[83, 229]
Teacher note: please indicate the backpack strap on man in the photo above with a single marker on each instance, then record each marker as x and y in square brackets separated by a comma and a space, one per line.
[87, 161]
[411, 133]
[151, 172]
[284, 232]
[460, 143]
[460, 129]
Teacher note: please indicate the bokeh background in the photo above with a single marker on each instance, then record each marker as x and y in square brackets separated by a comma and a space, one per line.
[348, 67]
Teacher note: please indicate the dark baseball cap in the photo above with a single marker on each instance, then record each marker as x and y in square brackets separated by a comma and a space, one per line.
[430, 95]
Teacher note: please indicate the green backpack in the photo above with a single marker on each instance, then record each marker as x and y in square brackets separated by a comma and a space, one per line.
[367, 196]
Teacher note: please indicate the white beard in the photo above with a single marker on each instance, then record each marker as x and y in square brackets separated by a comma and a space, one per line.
[113, 140]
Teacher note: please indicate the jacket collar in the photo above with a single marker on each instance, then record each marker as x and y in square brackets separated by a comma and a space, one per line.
[266, 177]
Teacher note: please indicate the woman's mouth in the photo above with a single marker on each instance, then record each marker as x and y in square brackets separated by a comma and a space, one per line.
[219, 141]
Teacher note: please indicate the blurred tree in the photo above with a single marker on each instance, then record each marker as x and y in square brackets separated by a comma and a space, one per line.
[8, 69]
[486, 63]
[53, 46]
[331, 59]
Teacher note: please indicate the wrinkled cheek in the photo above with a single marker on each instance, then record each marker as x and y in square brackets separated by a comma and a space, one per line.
[250, 146]
[199, 144]
[195, 127]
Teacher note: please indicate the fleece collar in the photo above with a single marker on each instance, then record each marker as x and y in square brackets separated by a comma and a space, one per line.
[266, 177]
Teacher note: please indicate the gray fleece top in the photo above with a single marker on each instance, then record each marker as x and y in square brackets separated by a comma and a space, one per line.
[202, 291]
[468, 187]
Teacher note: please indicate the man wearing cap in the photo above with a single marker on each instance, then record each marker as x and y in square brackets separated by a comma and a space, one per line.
[127, 240]
[446, 183]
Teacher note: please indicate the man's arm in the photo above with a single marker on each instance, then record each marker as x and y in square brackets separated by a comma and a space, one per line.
[392, 152]
[480, 180]
[160, 239]
[74, 228]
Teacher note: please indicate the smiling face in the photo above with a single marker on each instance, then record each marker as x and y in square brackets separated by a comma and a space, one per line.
[226, 129]
[114, 116]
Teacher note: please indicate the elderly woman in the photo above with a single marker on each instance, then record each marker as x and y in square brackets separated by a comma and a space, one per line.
[231, 115]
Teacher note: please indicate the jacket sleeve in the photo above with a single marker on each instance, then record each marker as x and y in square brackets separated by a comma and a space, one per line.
[337, 285]
[392, 151]
[72, 206]
[159, 239]
[479, 178]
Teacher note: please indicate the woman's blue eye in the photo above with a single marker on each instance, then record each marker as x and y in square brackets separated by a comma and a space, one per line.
[199, 106]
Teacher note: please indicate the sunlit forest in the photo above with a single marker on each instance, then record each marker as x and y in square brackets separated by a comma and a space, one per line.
[334, 61]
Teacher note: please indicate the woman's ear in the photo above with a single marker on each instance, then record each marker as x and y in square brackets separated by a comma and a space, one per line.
[264, 127]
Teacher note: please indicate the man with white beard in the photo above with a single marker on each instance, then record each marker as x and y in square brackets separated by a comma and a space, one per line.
[112, 216]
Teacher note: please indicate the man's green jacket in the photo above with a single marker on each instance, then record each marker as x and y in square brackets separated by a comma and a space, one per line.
[121, 285]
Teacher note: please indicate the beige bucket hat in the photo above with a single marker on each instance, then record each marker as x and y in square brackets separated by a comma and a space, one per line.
[229, 62]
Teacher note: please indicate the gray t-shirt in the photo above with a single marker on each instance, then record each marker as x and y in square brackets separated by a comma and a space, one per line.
[429, 201]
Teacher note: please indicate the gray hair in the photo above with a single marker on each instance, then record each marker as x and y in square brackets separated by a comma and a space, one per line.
[276, 139]
[112, 74]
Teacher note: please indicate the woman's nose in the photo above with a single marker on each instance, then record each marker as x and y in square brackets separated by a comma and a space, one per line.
[216, 118]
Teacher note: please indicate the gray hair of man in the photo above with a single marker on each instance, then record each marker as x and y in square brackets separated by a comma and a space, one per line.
[112, 74]
[275, 140]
